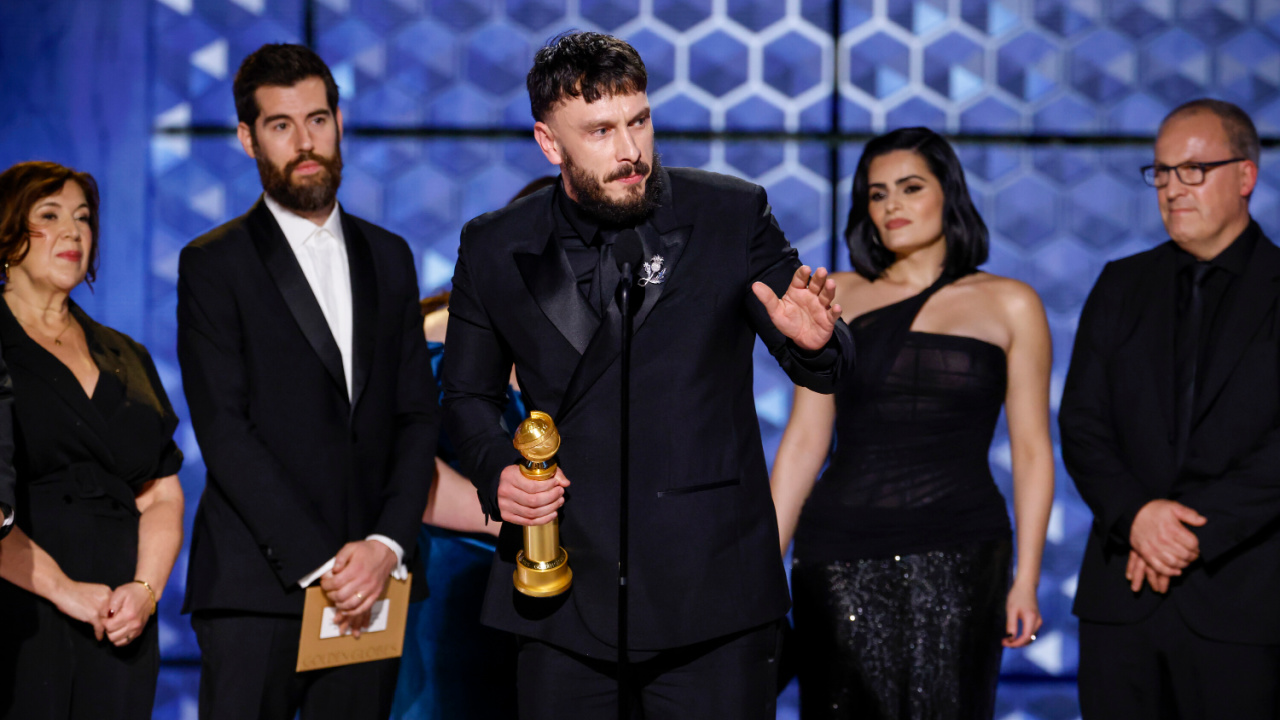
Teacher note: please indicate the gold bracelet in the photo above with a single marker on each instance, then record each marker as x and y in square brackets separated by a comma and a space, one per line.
[147, 585]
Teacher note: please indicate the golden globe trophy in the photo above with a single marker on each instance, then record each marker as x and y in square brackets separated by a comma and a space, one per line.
[542, 568]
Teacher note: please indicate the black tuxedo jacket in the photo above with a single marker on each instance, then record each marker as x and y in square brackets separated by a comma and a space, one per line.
[296, 469]
[1118, 442]
[704, 540]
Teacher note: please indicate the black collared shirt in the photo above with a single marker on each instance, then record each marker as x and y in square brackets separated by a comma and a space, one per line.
[1219, 290]
[580, 237]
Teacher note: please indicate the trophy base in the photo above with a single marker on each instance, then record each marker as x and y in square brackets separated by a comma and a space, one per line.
[547, 579]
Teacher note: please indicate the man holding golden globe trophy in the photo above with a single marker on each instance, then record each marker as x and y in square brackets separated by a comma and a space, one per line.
[542, 567]
[666, 277]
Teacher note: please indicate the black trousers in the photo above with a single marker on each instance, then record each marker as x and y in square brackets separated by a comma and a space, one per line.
[728, 677]
[247, 671]
[1160, 669]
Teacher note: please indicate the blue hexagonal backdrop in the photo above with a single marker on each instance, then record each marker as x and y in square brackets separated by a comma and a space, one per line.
[781, 77]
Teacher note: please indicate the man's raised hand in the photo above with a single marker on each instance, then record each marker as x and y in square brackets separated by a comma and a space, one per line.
[805, 313]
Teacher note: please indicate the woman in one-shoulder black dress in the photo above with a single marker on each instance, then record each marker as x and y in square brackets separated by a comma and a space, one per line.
[902, 557]
[99, 506]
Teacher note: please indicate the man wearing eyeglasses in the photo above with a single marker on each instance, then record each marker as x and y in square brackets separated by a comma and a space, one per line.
[1170, 424]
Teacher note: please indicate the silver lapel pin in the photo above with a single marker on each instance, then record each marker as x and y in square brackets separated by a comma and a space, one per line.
[654, 273]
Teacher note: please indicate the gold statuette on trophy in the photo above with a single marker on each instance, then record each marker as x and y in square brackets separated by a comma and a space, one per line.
[542, 568]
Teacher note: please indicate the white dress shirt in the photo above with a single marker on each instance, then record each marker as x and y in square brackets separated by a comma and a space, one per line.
[321, 251]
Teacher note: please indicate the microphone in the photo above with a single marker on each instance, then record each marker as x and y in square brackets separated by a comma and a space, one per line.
[628, 252]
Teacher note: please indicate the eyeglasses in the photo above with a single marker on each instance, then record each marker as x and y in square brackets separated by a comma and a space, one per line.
[1191, 173]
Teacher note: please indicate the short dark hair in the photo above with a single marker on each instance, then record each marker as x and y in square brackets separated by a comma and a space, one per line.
[25, 184]
[278, 65]
[966, 233]
[586, 64]
[1241, 132]
[432, 303]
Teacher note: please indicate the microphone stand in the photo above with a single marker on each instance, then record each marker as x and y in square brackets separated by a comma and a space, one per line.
[624, 454]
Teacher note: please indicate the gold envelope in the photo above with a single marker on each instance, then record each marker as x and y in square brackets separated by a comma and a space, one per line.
[315, 652]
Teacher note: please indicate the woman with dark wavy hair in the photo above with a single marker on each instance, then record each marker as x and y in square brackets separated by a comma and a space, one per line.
[902, 557]
[99, 505]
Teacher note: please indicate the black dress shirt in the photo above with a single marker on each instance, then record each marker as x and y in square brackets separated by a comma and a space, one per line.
[583, 239]
[1219, 290]
[580, 236]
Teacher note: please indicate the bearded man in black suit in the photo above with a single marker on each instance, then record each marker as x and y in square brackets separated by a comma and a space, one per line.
[312, 397]
[534, 286]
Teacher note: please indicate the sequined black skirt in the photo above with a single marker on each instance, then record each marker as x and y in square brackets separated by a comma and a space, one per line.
[911, 636]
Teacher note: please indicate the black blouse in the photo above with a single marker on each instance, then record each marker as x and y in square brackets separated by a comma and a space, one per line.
[913, 429]
[81, 460]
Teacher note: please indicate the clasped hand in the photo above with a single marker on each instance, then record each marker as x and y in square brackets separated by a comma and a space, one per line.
[359, 575]
[119, 615]
[805, 313]
[1161, 545]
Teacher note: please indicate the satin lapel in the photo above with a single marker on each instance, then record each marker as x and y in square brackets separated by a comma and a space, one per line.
[554, 288]
[669, 245]
[605, 347]
[1255, 299]
[364, 305]
[287, 273]
[1157, 324]
[665, 234]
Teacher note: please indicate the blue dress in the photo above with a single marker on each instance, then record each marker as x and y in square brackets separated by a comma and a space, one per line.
[453, 667]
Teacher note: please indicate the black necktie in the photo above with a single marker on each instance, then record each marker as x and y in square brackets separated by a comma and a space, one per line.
[606, 274]
[1187, 352]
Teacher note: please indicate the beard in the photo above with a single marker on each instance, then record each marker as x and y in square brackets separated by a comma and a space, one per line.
[635, 208]
[314, 193]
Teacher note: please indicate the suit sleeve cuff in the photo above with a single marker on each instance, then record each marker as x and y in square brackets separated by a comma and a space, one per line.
[489, 495]
[820, 360]
[1123, 524]
[400, 572]
[312, 577]
[1217, 538]
[1119, 528]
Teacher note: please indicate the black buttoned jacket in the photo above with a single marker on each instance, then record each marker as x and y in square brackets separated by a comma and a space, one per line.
[704, 558]
[1119, 444]
[296, 467]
